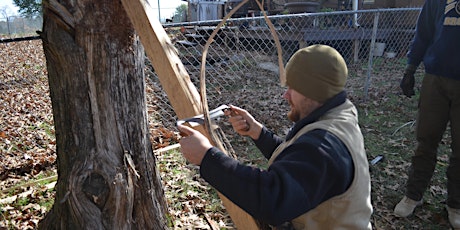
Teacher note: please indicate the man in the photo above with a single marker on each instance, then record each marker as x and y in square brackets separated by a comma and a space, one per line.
[318, 178]
[437, 44]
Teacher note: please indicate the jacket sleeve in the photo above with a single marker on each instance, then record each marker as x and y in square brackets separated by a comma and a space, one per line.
[305, 174]
[267, 142]
[425, 32]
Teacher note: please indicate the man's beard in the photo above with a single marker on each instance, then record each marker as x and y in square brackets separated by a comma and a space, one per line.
[300, 110]
[293, 114]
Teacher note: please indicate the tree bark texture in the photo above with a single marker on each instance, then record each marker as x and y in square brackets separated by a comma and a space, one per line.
[107, 177]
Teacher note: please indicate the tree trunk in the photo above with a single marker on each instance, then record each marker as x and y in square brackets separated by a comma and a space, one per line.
[106, 167]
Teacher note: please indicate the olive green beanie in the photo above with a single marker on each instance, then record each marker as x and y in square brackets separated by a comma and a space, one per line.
[318, 72]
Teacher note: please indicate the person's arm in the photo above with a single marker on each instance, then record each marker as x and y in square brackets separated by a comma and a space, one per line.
[303, 176]
[267, 142]
[245, 124]
[194, 145]
[425, 32]
[424, 35]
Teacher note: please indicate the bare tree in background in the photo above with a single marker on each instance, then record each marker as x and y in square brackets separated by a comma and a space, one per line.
[106, 167]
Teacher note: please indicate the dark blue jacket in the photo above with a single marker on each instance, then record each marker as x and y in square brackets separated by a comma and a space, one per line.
[437, 39]
[313, 169]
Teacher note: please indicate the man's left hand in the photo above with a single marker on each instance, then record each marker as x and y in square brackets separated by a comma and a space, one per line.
[408, 81]
[194, 145]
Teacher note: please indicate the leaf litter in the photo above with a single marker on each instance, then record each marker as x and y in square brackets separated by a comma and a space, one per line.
[27, 146]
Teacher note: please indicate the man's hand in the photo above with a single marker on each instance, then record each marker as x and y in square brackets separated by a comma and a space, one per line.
[408, 81]
[194, 145]
[243, 122]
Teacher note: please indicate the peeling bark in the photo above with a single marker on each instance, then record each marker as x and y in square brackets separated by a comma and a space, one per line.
[106, 167]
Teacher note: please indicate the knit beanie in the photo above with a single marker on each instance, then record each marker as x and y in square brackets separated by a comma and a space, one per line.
[318, 72]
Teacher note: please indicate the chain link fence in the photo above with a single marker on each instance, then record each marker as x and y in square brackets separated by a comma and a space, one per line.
[242, 61]
[18, 26]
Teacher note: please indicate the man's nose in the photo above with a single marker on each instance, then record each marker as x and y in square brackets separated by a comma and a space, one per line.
[286, 94]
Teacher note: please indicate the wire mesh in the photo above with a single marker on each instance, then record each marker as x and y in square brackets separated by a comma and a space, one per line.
[243, 57]
[18, 26]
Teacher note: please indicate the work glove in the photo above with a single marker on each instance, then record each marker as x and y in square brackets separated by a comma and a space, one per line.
[408, 81]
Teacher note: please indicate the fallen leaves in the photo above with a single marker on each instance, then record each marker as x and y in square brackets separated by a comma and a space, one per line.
[26, 133]
[27, 145]
[27, 150]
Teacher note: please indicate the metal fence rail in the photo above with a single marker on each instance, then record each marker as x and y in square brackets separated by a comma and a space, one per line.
[244, 51]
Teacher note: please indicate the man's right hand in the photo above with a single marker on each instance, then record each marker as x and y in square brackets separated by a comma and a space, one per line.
[408, 81]
[244, 123]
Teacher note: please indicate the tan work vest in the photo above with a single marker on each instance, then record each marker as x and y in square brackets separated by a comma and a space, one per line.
[352, 209]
